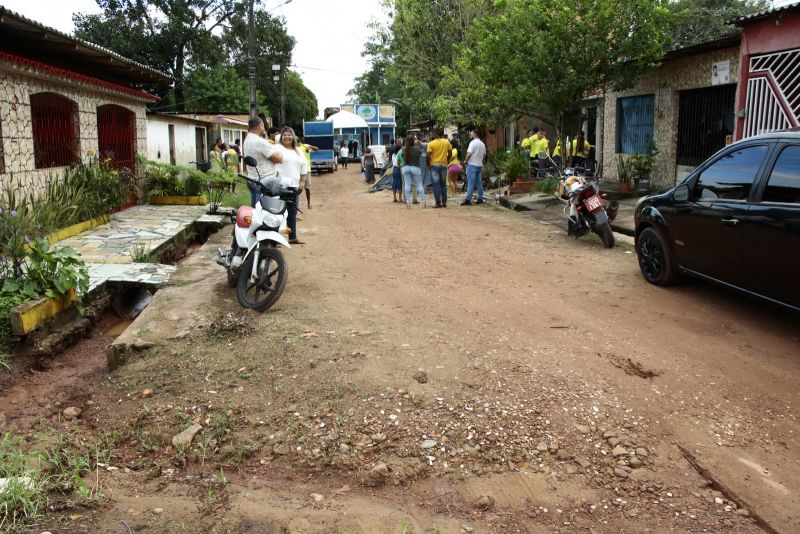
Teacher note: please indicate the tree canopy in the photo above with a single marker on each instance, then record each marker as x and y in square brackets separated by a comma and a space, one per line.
[474, 62]
[700, 21]
[202, 44]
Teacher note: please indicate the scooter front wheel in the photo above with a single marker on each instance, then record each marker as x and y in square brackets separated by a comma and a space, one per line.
[232, 276]
[270, 281]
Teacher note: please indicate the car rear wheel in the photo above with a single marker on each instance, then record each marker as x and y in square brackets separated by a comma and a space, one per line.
[656, 259]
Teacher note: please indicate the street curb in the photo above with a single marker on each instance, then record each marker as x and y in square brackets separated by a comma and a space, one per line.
[507, 202]
[623, 230]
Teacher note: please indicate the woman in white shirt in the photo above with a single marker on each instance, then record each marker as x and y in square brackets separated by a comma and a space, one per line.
[293, 172]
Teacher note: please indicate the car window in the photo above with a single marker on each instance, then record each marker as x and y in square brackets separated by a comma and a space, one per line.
[784, 181]
[731, 177]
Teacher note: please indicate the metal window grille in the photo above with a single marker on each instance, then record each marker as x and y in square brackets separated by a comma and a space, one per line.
[634, 123]
[54, 123]
[705, 118]
[116, 135]
[773, 93]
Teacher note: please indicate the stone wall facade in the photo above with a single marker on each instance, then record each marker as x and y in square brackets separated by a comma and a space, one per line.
[665, 83]
[17, 84]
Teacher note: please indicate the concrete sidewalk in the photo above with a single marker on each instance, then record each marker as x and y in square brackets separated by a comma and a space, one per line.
[109, 249]
[548, 208]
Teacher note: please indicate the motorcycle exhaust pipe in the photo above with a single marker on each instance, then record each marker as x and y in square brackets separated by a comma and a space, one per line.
[611, 210]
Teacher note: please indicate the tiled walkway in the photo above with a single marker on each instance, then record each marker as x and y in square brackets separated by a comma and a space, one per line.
[109, 248]
[148, 227]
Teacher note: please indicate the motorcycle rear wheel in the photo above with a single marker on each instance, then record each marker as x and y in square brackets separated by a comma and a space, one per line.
[272, 273]
[605, 233]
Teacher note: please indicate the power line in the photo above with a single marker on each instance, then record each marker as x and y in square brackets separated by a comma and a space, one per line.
[327, 70]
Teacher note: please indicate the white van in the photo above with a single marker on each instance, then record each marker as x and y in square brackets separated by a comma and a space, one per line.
[379, 151]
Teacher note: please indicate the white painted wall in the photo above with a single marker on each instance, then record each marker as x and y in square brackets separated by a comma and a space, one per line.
[158, 140]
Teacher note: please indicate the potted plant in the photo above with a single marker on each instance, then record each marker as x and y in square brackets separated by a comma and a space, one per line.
[624, 174]
[642, 167]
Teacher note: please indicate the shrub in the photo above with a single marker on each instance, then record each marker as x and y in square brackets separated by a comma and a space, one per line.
[86, 190]
[15, 230]
[162, 179]
[515, 165]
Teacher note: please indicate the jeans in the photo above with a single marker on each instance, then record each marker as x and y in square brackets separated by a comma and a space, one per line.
[439, 176]
[474, 182]
[397, 178]
[412, 173]
[255, 193]
[291, 219]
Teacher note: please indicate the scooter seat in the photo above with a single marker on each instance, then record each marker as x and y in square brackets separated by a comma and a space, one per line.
[242, 212]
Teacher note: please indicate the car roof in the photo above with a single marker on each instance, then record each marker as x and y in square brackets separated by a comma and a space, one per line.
[791, 133]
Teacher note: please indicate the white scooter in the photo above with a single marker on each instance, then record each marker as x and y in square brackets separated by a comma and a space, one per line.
[254, 263]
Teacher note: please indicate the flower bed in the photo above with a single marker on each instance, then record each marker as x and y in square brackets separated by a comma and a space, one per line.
[171, 200]
[176, 185]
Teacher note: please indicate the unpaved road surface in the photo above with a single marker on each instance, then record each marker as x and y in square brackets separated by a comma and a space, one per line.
[440, 370]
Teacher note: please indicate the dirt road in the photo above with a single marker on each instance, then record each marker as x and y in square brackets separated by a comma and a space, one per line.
[442, 370]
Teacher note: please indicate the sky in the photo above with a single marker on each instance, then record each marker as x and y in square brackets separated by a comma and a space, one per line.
[330, 35]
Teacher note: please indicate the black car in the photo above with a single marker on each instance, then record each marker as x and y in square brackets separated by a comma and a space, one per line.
[735, 220]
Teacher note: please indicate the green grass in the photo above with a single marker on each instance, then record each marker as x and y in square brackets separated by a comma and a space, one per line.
[54, 468]
[240, 198]
[5, 361]
[22, 500]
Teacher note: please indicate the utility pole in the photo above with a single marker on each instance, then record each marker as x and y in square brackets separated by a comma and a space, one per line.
[283, 96]
[278, 76]
[251, 57]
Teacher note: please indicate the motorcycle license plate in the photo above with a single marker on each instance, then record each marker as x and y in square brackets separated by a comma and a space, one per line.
[593, 203]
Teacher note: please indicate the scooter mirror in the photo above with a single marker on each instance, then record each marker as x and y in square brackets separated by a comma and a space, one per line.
[250, 161]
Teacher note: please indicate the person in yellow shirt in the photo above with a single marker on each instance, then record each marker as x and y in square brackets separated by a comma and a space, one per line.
[557, 153]
[307, 150]
[439, 151]
[453, 170]
[525, 145]
[579, 150]
[542, 145]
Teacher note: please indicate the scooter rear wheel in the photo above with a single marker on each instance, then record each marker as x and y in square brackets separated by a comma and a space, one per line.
[266, 289]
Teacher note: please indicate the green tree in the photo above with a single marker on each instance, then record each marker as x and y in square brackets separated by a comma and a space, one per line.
[541, 58]
[218, 89]
[699, 21]
[301, 104]
[173, 35]
[407, 56]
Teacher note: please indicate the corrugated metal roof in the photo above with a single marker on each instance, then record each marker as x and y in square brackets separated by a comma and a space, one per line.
[152, 74]
[766, 14]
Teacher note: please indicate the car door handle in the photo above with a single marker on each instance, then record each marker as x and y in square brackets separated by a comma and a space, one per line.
[730, 223]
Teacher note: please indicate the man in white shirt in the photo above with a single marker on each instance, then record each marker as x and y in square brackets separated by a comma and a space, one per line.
[476, 152]
[265, 155]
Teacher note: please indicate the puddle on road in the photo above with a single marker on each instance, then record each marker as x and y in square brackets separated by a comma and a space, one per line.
[118, 328]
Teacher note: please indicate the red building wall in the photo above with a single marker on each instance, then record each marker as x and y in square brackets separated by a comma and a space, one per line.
[777, 33]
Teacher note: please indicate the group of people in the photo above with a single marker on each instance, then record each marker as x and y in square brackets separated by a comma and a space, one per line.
[416, 163]
[280, 155]
[536, 142]
[224, 157]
